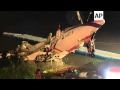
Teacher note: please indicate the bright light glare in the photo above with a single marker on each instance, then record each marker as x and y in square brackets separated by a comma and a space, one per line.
[112, 75]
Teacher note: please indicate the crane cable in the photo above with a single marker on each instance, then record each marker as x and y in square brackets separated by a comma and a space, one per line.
[89, 16]
[79, 17]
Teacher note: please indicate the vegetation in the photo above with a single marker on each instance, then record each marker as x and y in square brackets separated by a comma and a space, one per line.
[96, 61]
[15, 69]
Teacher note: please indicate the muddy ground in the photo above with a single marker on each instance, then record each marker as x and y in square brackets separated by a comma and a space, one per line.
[87, 67]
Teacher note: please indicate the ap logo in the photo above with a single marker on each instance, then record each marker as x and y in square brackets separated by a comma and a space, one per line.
[98, 15]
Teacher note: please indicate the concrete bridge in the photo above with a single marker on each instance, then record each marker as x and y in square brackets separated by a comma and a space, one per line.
[100, 54]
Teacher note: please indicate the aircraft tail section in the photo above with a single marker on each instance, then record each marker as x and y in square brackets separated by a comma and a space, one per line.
[101, 22]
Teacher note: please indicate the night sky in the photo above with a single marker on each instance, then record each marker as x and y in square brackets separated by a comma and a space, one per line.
[41, 23]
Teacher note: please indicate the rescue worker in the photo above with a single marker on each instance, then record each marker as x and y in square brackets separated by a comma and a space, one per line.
[18, 49]
[56, 38]
[23, 47]
[58, 33]
[49, 39]
[89, 48]
[38, 74]
[92, 47]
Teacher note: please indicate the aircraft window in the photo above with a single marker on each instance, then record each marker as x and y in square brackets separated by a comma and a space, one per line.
[62, 37]
[92, 32]
[68, 33]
